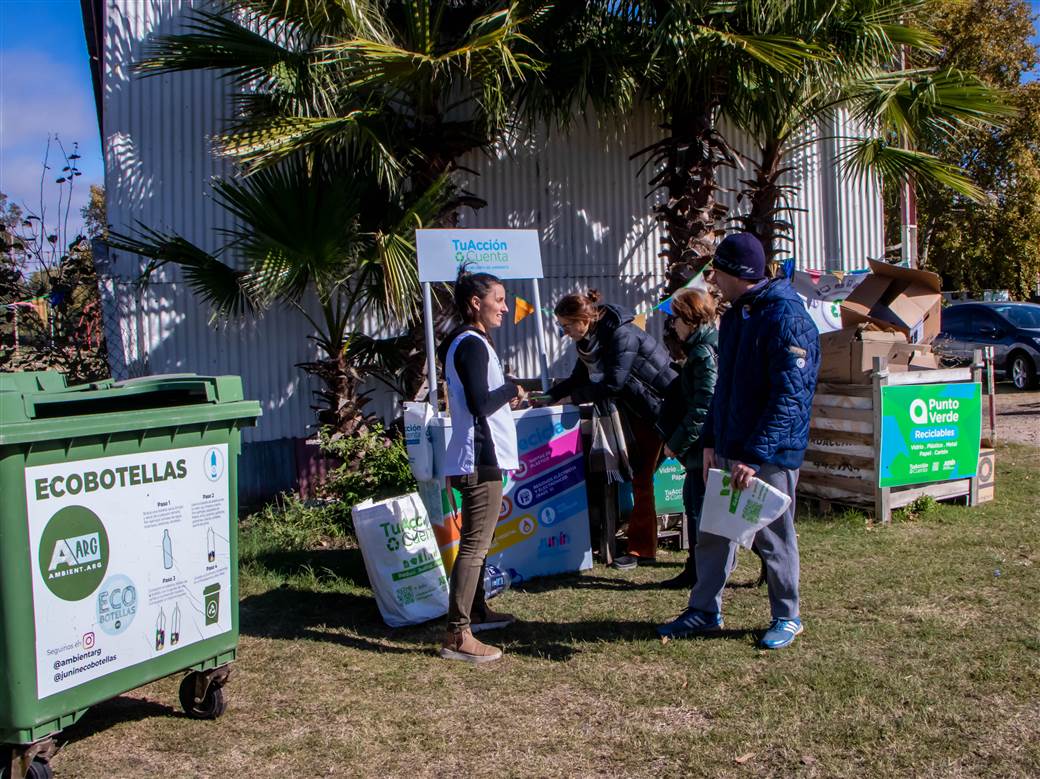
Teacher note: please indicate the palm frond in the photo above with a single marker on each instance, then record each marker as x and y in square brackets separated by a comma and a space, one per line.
[896, 166]
[320, 17]
[920, 102]
[484, 52]
[779, 52]
[215, 282]
[298, 225]
[216, 42]
[263, 142]
[391, 274]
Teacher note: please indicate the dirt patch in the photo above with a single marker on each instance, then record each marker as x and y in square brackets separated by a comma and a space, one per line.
[1018, 416]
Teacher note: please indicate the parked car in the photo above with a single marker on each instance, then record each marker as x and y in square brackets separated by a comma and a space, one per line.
[1012, 329]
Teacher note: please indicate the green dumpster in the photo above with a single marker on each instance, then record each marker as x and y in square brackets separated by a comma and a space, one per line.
[118, 546]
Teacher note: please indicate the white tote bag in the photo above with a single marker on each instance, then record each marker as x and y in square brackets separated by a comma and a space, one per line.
[739, 514]
[417, 440]
[402, 559]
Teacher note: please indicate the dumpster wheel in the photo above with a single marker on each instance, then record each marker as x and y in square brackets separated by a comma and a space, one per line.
[34, 760]
[202, 693]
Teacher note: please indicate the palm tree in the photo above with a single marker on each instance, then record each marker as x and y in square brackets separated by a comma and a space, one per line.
[312, 227]
[700, 53]
[400, 88]
[405, 87]
[860, 40]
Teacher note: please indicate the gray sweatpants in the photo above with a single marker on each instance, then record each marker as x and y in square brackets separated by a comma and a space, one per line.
[776, 542]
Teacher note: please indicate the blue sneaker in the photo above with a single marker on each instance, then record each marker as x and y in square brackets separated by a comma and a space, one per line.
[781, 633]
[690, 623]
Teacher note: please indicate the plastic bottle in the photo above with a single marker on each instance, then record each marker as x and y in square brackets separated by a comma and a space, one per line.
[160, 630]
[167, 550]
[175, 625]
[496, 581]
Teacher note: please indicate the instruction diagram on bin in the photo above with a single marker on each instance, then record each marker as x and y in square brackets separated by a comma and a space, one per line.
[130, 559]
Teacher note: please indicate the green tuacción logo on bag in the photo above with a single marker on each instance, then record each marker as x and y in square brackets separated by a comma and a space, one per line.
[73, 553]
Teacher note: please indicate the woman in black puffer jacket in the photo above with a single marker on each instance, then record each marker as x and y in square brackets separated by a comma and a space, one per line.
[619, 362]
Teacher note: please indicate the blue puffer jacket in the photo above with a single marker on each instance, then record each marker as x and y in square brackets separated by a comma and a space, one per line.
[769, 356]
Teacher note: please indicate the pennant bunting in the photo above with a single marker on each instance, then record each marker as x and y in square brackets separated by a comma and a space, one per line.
[666, 304]
[839, 275]
[521, 310]
[640, 321]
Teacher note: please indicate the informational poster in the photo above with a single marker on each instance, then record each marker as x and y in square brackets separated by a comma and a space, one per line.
[823, 294]
[130, 559]
[508, 254]
[668, 487]
[543, 525]
[929, 432]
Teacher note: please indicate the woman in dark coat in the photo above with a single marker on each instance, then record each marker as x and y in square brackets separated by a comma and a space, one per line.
[620, 363]
[694, 312]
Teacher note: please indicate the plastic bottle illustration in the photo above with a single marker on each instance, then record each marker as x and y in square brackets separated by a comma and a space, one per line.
[175, 625]
[160, 630]
[211, 545]
[167, 550]
[213, 470]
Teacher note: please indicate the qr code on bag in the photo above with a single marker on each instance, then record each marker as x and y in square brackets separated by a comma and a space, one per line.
[405, 596]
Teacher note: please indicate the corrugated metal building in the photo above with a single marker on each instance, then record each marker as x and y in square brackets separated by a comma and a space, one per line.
[581, 191]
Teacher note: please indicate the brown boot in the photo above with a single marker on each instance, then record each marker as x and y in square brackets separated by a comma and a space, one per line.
[462, 646]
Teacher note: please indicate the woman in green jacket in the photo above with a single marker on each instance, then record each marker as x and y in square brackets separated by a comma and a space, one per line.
[694, 312]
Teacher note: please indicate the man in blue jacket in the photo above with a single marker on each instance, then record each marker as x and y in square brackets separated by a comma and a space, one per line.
[758, 426]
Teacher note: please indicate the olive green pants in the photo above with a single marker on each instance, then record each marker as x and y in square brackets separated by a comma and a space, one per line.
[481, 504]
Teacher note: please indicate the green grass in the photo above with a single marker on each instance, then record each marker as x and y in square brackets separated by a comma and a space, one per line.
[921, 657]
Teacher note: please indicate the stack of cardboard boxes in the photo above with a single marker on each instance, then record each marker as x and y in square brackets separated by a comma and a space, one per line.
[893, 313]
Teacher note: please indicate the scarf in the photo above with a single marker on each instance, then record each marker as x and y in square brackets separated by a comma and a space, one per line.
[609, 452]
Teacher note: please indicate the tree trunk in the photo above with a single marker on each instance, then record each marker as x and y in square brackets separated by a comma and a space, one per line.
[690, 215]
[766, 195]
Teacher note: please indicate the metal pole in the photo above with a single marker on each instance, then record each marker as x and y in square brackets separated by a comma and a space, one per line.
[991, 393]
[907, 203]
[540, 335]
[431, 356]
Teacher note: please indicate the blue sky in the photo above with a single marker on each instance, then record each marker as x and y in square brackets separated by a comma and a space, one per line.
[45, 89]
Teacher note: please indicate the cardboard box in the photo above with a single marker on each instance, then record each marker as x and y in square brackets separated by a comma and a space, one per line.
[847, 355]
[896, 299]
[912, 357]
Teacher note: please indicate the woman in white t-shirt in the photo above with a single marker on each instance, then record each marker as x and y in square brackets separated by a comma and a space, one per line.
[481, 448]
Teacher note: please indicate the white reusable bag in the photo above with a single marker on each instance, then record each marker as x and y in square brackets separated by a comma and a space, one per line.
[402, 559]
[739, 514]
[417, 441]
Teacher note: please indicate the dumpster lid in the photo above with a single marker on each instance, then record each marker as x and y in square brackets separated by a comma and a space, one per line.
[25, 397]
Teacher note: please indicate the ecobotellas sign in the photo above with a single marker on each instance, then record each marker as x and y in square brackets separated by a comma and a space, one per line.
[508, 254]
[929, 432]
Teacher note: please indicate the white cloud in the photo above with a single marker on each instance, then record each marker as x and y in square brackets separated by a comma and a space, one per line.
[42, 95]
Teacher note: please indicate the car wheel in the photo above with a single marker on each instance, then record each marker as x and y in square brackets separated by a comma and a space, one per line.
[1022, 371]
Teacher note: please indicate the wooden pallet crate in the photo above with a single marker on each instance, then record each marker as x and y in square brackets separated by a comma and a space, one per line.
[845, 444]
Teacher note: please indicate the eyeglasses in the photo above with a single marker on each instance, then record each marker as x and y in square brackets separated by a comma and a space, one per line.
[709, 274]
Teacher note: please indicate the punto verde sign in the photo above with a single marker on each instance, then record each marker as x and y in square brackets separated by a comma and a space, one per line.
[929, 432]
